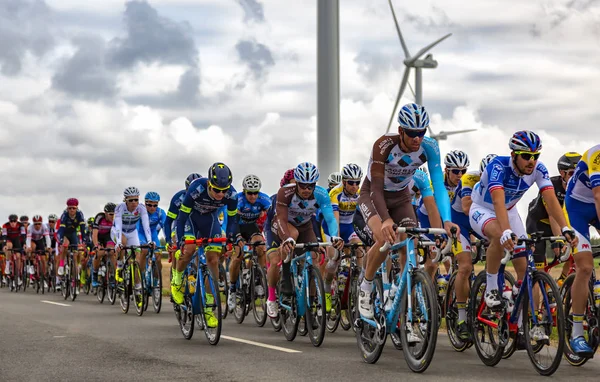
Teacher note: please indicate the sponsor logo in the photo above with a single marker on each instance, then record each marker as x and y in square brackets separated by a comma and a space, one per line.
[585, 246]
[477, 216]
[384, 145]
[365, 211]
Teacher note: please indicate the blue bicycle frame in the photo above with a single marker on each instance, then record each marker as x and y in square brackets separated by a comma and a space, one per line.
[301, 292]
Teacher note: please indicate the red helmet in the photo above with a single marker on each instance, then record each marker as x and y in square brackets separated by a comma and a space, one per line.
[37, 219]
[72, 202]
[288, 176]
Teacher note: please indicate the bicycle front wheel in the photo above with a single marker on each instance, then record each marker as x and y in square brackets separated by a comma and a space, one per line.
[156, 285]
[139, 292]
[211, 311]
[259, 295]
[418, 333]
[316, 316]
[125, 288]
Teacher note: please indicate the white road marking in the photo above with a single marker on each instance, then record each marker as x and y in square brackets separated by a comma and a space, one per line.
[285, 350]
[59, 336]
[54, 303]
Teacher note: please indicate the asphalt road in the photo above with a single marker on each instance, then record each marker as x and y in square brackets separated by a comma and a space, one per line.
[84, 340]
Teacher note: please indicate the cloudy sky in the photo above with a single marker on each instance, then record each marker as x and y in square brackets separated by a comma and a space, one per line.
[100, 95]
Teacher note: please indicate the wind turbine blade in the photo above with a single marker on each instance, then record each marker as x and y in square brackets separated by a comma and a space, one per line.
[414, 58]
[412, 91]
[455, 132]
[400, 91]
[404, 47]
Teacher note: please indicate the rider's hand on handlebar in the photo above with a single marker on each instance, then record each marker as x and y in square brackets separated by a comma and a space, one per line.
[288, 245]
[337, 242]
[507, 240]
[388, 231]
[448, 227]
[569, 234]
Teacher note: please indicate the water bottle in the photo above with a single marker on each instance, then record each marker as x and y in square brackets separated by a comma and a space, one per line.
[246, 276]
[192, 283]
[102, 271]
[387, 299]
[342, 278]
[147, 277]
[597, 293]
[393, 291]
[442, 283]
[7, 268]
[508, 295]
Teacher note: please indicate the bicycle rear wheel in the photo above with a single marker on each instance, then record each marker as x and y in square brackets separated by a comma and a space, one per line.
[424, 325]
[316, 316]
[590, 323]
[335, 314]
[101, 290]
[259, 295]
[185, 313]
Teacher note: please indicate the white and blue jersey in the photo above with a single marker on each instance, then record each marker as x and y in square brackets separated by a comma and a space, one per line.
[248, 213]
[500, 173]
[157, 221]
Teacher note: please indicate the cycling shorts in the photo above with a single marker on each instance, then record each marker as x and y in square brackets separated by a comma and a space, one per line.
[306, 234]
[132, 237]
[580, 216]
[249, 230]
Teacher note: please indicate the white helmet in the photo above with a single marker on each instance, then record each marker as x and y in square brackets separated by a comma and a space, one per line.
[131, 191]
[306, 172]
[251, 183]
[351, 171]
[485, 161]
[334, 178]
[456, 159]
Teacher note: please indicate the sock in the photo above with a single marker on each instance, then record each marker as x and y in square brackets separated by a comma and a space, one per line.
[272, 294]
[366, 285]
[177, 277]
[462, 311]
[492, 282]
[577, 326]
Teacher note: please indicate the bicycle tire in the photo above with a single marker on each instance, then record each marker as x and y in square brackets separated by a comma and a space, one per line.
[223, 290]
[335, 314]
[213, 335]
[451, 317]
[318, 315]
[276, 323]
[549, 318]
[372, 343]
[101, 290]
[289, 319]
[42, 279]
[185, 313]
[74, 279]
[241, 307]
[494, 356]
[111, 283]
[572, 358]
[156, 288]
[259, 278]
[352, 310]
[139, 294]
[511, 346]
[125, 288]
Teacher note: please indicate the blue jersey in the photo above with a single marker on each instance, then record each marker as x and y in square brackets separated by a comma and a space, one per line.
[157, 221]
[249, 213]
[197, 202]
[500, 173]
[69, 226]
[174, 206]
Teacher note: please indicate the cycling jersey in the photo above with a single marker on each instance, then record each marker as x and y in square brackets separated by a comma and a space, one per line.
[292, 209]
[586, 176]
[501, 174]
[38, 234]
[391, 169]
[537, 208]
[203, 210]
[157, 221]
[343, 203]
[172, 212]
[464, 188]
[103, 226]
[126, 222]
[249, 213]
[69, 225]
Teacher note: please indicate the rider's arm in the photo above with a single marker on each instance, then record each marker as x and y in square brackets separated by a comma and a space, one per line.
[184, 213]
[281, 211]
[381, 149]
[95, 236]
[466, 204]
[118, 222]
[333, 198]
[432, 150]
[171, 216]
[46, 233]
[327, 211]
[233, 226]
[594, 175]
[145, 223]
[162, 220]
[499, 202]
[82, 224]
[28, 242]
[468, 182]
[4, 232]
[596, 192]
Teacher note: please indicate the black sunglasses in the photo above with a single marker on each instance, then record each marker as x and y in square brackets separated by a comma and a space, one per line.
[306, 186]
[353, 182]
[217, 191]
[251, 192]
[151, 205]
[458, 171]
[528, 156]
[133, 200]
[414, 133]
[14, 221]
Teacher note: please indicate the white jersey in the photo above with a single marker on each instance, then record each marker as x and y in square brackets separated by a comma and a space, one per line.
[126, 221]
[37, 234]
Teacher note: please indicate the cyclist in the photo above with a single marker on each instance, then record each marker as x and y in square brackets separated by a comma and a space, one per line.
[71, 219]
[157, 219]
[334, 179]
[456, 163]
[38, 238]
[52, 229]
[461, 203]
[101, 239]
[251, 204]
[14, 235]
[88, 236]
[296, 204]
[176, 200]
[24, 219]
[385, 198]
[344, 198]
[537, 217]
[198, 218]
[582, 202]
[124, 231]
[502, 184]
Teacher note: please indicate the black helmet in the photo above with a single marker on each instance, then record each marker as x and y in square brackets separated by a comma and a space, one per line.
[219, 176]
[109, 207]
[24, 218]
[13, 217]
[568, 161]
[193, 176]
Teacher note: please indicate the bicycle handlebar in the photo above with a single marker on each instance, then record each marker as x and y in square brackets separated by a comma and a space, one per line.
[563, 258]
[307, 246]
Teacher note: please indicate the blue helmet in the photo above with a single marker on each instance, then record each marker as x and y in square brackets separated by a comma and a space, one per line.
[193, 176]
[219, 176]
[306, 172]
[525, 140]
[413, 116]
[153, 196]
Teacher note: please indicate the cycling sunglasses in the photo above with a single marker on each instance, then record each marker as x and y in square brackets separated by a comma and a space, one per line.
[251, 193]
[414, 133]
[307, 186]
[353, 182]
[527, 155]
[132, 200]
[458, 171]
[219, 191]
[151, 205]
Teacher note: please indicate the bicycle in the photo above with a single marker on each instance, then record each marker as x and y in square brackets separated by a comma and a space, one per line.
[251, 291]
[544, 314]
[343, 294]
[196, 292]
[38, 278]
[418, 325]
[51, 272]
[11, 276]
[224, 284]
[70, 280]
[591, 318]
[307, 300]
[106, 278]
[3, 281]
[131, 272]
[153, 281]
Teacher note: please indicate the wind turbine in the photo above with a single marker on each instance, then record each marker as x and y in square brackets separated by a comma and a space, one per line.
[418, 64]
